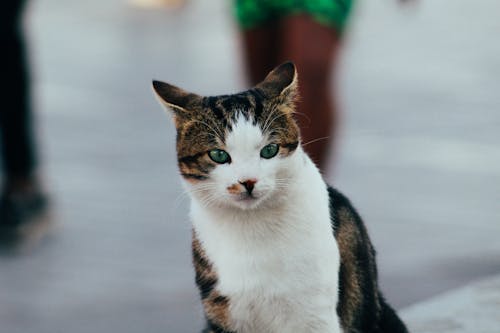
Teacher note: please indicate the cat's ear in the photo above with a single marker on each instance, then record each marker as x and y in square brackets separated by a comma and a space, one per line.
[177, 99]
[280, 82]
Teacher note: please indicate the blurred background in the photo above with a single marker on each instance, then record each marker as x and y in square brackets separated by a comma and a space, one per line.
[418, 155]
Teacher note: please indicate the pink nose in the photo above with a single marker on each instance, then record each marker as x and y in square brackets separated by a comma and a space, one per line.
[249, 184]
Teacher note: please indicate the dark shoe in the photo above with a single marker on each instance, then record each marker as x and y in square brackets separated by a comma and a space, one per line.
[17, 209]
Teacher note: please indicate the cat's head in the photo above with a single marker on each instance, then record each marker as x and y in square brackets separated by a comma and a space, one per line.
[236, 150]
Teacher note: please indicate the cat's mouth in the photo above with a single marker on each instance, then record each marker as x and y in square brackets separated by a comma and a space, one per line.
[247, 201]
[246, 197]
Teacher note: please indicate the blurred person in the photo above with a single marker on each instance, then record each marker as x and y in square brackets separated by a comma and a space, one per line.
[309, 33]
[21, 196]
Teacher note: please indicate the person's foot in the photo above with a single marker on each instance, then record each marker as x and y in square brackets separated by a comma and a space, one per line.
[20, 205]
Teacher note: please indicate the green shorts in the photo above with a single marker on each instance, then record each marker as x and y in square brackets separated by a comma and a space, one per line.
[253, 13]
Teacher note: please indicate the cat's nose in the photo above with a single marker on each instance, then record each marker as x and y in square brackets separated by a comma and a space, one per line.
[248, 184]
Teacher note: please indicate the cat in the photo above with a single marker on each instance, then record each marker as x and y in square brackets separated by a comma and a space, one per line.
[275, 249]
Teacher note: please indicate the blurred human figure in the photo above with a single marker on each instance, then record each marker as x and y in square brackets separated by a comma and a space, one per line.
[21, 197]
[309, 33]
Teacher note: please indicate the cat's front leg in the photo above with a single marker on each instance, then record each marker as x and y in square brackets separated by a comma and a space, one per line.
[215, 305]
[215, 329]
[214, 325]
[217, 313]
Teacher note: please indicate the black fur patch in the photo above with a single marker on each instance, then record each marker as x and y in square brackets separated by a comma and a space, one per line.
[193, 176]
[361, 306]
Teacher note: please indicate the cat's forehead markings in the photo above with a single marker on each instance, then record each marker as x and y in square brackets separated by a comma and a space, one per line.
[212, 104]
[245, 133]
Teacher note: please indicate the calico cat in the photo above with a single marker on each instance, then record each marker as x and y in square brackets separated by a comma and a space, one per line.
[275, 249]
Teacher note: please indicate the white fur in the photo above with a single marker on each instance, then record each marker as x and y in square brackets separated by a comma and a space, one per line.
[275, 256]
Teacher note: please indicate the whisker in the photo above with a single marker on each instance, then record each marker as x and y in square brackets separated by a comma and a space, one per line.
[209, 200]
[187, 192]
[302, 114]
[214, 129]
[264, 127]
[315, 140]
[272, 120]
[179, 199]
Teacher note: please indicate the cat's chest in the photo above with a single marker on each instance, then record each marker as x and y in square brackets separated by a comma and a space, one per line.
[275, 267]
[289, 282]
[278, 290]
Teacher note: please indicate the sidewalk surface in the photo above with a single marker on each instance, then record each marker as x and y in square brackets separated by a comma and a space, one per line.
[474, 308]
[418, 155]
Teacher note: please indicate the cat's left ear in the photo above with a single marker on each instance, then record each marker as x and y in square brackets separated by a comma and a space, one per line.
[175, 98]
[281, 83]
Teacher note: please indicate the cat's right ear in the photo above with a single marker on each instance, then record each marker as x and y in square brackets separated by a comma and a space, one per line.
[281, 83]
[176, 99]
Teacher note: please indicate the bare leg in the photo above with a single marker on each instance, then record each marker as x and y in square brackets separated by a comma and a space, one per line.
[314, 49]
[260, 51]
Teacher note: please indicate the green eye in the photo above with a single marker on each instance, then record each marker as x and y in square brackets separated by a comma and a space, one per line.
[219, 156]
[269, 151]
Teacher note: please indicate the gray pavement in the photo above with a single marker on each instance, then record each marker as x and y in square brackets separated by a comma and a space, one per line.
[419, 155]
[473, 308]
